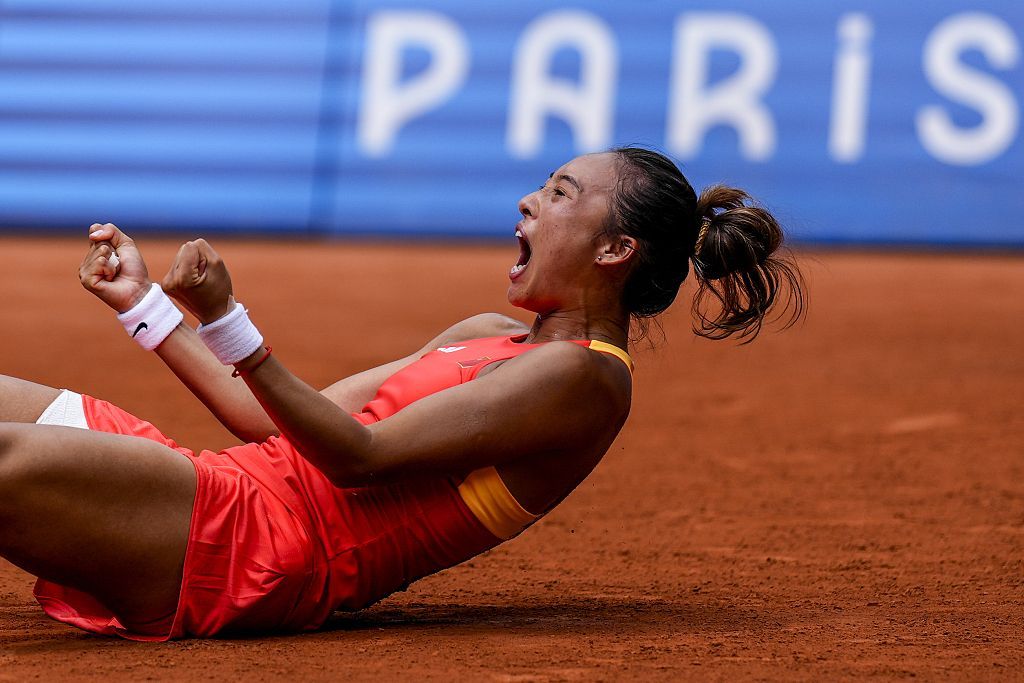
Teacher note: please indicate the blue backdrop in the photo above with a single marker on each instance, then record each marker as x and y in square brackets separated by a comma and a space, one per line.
[864, 121]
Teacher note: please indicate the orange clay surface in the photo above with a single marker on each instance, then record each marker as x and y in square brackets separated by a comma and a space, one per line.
[842, 499]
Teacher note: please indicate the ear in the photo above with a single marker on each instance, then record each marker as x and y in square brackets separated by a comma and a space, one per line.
[619, 251]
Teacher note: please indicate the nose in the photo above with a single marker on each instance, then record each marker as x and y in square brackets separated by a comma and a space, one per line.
[528, 205]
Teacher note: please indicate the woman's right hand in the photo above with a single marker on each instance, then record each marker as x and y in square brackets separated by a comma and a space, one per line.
[121, 287]
[199, 281]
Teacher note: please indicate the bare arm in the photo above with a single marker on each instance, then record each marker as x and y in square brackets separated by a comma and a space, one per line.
[227, 398]
[557, 398]
[234, 405]
[121, 288]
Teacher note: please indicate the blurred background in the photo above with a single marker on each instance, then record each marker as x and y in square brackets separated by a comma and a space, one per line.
[846, 498]
[858, 122]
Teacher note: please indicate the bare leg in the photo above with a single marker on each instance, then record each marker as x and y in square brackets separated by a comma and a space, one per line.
[104, 513]
[22, 401]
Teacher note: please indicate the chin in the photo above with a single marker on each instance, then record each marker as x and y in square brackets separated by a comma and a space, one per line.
[520, 298]
[530, 302]
[517, 299]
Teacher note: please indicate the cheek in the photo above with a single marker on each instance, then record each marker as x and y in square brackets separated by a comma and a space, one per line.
[572, 252]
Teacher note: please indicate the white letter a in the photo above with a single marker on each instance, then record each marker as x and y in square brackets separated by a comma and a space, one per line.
[586, 107]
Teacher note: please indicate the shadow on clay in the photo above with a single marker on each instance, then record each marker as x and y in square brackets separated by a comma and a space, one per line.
[581, 614]
[584, 615]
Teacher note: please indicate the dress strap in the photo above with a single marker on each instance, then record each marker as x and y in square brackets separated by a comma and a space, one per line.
[490, 501]
[484, 492]
[611, 350]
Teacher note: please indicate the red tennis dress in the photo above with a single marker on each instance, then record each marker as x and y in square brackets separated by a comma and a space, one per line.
[274, 546]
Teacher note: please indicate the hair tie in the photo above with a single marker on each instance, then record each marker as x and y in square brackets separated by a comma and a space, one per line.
[704, 225]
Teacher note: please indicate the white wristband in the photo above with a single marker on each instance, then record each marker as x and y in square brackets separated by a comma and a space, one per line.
[151, 320]
[232, 337]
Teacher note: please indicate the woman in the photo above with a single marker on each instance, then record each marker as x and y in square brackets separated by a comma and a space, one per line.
[343, 496]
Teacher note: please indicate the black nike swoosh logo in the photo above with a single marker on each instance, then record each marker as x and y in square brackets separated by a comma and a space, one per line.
[138, 329]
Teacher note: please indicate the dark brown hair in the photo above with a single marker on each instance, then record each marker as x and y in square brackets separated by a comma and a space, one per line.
[741, 273]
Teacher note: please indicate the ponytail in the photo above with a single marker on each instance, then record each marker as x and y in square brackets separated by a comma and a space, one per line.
[733, 243]
[740, 274]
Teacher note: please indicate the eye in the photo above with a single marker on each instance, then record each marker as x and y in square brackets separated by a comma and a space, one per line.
[556, 190]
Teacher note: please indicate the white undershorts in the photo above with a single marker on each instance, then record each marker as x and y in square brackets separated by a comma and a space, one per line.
[67, 410]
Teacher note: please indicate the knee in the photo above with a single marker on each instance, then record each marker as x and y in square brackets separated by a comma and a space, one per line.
[8, 441]
[15, 461]
[8, 444]
[22, 469]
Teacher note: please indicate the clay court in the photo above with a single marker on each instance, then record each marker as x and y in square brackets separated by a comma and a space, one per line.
[845, 499]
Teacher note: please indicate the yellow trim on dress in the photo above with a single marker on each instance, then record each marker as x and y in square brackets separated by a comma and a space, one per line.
[611, 349]
[487, 496]
[490, 501]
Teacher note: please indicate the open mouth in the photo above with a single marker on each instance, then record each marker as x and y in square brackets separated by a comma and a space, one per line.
[524, 254]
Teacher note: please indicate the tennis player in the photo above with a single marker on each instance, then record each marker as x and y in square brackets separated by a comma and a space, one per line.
[342, 496]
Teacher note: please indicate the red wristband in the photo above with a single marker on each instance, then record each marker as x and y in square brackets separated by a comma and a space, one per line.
[237, 372]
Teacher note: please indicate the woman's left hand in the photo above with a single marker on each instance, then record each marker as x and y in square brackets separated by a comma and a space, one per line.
[199, 281]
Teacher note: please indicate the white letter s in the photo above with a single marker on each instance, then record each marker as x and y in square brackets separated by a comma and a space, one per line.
[984, 142]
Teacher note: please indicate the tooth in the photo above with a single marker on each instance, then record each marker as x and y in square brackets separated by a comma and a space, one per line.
[519, 233]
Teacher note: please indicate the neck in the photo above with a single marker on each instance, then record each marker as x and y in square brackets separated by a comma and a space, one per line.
[565, 325]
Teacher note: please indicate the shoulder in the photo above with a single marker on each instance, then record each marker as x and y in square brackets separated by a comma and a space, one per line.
[478, 327]
[573, 369]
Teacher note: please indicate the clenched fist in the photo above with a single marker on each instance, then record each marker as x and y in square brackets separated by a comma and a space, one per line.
[199, 281]
[119, 287]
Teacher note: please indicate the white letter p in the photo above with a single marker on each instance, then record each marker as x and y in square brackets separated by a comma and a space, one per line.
[387, 104]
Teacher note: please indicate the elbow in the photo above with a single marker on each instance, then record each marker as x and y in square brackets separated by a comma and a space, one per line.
[352, 468]
[248, 429]
[248, 435]
[350, 477]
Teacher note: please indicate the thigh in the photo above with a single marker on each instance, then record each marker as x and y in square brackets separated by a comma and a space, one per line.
[103, 513]
[22, 401]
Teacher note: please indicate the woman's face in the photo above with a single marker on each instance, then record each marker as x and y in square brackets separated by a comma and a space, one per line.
[560, 235]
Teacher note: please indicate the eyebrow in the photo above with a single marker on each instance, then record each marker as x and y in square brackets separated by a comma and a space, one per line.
[569, 179]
